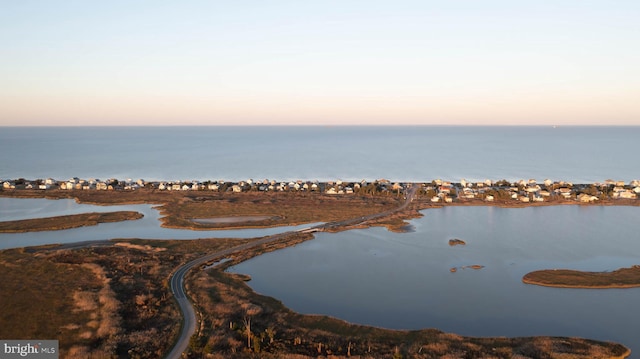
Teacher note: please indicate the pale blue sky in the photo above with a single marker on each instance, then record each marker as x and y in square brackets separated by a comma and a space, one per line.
[319, 62]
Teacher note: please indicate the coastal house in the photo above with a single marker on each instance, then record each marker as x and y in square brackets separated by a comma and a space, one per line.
[236, 188]
[8, 185]
[627, 194]
[564, 192]
[489, 198]
[468, 193]
[435, 199]
[332, 190]
[586, 198]
[532, 188]
[617, 191]
[213, 187]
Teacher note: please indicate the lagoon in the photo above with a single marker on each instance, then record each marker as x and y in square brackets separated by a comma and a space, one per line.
[403, 281]
[147, 228]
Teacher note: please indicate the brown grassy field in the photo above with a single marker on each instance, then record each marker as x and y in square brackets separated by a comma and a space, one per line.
[238, 323]
[565, 278]
[108, 301]
[180, 207]
[66, 222]
[288, 208]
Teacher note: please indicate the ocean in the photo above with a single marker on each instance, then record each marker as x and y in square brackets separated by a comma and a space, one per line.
[397, 153]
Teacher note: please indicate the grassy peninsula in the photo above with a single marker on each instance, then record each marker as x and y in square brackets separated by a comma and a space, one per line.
[66, 222]
[566, 278]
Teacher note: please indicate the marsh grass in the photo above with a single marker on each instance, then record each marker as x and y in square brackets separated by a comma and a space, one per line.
[223, 300]
[66, 222]
[621, 278]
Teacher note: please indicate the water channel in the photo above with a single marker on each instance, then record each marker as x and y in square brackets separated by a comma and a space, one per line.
[148, 227]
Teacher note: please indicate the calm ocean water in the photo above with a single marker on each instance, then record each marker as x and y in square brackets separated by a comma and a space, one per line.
[398, 153]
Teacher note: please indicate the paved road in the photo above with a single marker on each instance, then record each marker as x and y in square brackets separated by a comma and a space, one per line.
[177, 279]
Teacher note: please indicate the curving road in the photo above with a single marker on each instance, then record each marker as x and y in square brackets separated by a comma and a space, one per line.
[177, 279]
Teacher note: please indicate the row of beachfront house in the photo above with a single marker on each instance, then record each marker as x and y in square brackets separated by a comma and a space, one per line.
[531, 191]
[331, 187]
[438, 190]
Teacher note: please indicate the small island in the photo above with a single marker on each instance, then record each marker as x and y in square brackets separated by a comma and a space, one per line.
[566, 278]
[475, 266]
[456, 242]
[66, 222]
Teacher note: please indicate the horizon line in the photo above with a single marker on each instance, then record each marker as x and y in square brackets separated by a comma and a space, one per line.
[323, 125]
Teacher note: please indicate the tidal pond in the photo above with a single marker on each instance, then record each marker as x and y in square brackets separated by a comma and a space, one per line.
[403, 281]
[148, 227]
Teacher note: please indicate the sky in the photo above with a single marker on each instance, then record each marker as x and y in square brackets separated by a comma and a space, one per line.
[543, 62]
